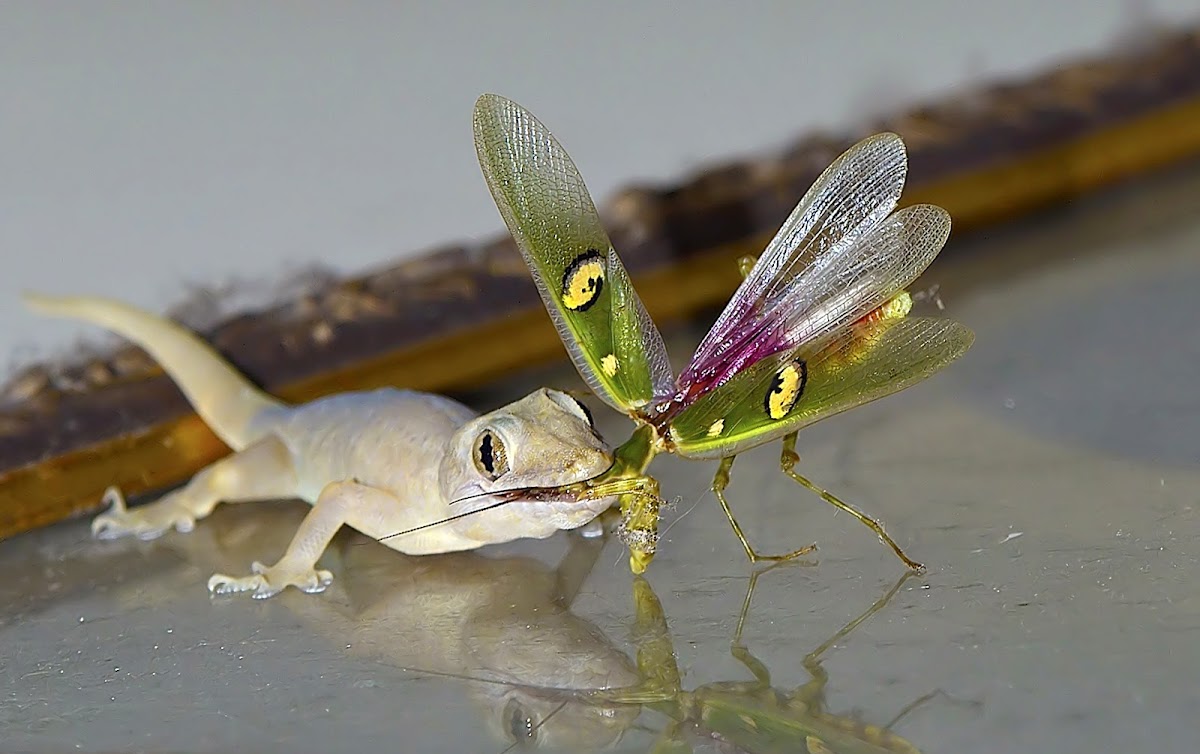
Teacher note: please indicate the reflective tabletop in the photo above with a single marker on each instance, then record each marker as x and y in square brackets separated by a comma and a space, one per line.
[1050, 481]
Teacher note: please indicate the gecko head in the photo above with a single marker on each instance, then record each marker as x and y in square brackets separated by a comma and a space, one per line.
[539, 663]
[546, 439]
[540, 718]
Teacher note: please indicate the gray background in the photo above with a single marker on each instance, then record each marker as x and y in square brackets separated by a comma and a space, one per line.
[149, 147]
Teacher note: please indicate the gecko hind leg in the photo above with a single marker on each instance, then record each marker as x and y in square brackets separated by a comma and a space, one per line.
[262, 471]
[370, 510]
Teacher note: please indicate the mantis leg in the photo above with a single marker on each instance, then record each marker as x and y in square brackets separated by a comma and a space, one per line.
[738, 649]
[787, 463]
[670, 741]
[913, 705]
[812, 690]
[720, 482]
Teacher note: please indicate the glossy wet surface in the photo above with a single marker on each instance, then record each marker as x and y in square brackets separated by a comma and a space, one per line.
[1050, 480]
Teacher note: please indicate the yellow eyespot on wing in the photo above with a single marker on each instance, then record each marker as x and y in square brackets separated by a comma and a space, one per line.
[717, 428]
[609, 365]
[899, 353]
[583, 281]
[579, 276]
[785, 389]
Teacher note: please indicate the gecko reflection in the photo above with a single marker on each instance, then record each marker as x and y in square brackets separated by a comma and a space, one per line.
[547, 678]
[501, 632]
[500, 625]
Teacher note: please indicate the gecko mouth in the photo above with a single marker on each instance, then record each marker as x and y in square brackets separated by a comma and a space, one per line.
[561, 495]
[563, 499]
[572, 492]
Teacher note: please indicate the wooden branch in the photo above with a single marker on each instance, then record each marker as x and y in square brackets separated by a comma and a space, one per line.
[458, 316]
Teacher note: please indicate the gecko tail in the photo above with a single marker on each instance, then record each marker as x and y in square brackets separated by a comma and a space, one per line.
[224, 398]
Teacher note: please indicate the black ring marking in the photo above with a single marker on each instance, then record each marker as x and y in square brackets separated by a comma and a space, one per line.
[585, 291]
[777, 388]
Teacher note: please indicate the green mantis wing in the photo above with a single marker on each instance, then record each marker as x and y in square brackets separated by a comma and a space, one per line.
[542, 198]
[783, 393]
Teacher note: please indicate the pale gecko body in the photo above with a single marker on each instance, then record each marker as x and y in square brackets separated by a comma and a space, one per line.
[381, 462]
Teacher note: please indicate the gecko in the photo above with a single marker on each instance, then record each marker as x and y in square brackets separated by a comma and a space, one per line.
[379, 461]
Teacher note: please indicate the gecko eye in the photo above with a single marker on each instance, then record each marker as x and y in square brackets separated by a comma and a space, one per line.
[490, 456]
[522, 728]
[587, 412]
[570, 403]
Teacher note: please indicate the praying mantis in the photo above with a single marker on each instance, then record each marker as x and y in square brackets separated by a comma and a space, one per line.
[818, 325]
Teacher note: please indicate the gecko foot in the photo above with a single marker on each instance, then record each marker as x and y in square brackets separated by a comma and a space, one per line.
[268, 581]
[146, 522]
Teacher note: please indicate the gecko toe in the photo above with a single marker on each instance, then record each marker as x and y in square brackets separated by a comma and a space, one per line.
[222, 584]
[146, 522]
[323, 580]
[267, 581]
[124, 524]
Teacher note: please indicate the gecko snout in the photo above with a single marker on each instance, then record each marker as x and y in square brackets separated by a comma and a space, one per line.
[588, 463]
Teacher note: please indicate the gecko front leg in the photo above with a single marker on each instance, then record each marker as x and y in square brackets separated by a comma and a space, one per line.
[262, 471]
[349, 503]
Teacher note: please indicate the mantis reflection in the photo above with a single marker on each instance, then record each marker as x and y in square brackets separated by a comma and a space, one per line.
[752, 716]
